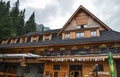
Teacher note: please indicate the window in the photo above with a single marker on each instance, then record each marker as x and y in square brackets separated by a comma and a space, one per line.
[86, 26]
[75, 67]
[100, 68]
[27, 69]
[4, 42]
[56, 67]
[13, 41]
[67, 36]
[41, 68]
[22, 40]
[93, 33]
[78, 27]
[47, 37]
[34, 39]
[80, 35]
[82, 26]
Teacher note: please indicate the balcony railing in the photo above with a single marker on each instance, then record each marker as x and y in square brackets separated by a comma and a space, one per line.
[81, 52]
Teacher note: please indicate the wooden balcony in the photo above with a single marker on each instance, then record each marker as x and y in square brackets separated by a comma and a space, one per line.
[7, 74]
[80, 52]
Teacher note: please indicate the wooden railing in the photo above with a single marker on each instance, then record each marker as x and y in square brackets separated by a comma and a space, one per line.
[7, 74]
[81, 52]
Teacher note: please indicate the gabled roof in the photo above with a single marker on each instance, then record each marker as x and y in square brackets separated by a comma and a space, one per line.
[89, 13]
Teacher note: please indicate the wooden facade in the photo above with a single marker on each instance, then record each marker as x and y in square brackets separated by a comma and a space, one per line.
[71, 51]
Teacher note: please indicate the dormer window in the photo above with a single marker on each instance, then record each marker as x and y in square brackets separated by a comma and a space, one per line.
[23, 39]
[93, 33]
[34, 38]
[13, 41]
[67, 36]
[80, 35]
[47, 37]
[4, 41]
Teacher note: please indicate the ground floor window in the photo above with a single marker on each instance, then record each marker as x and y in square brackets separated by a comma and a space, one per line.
[56, 67]
[41, 68]
[100, 68]
[75, 67]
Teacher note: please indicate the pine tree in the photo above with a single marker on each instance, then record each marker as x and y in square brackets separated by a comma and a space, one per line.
[20, 28]
[30, 24]
[6, 25]
[15, 16]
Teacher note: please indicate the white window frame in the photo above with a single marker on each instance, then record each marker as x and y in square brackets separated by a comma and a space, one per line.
[80, 35]
[67, 36]
[93, 33]
[34, 39]
[47, 37]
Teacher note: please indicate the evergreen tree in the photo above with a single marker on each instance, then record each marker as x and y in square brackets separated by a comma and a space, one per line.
[20, 28]
[15, 16]
[6, 25]
[30, 24]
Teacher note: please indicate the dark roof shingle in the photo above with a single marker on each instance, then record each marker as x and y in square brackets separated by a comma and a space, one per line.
[105, 36]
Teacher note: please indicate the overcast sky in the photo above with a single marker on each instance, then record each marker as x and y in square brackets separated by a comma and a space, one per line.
[55, 13]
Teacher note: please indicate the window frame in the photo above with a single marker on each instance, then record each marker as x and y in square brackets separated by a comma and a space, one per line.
[47, 37]
[99, 67]
[67, 35]
[23, 40]
[34, 39]
[80, 34]
[93, 33]
[56, 67]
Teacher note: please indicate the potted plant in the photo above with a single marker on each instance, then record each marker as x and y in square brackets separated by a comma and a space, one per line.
[74, 48]
[103, 48]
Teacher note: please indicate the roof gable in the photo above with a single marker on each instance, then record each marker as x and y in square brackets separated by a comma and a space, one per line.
[86, 17]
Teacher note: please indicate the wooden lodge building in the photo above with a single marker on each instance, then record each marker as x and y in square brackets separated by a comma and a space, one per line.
[71, 51]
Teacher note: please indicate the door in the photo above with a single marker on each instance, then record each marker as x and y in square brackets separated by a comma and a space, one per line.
[75, 73]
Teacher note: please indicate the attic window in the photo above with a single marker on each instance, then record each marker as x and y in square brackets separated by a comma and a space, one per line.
[82, 26]
[79, 34]
[34, 39]
[23, 39]
[93, 33]
[4, 42]
[67, 36]
[86, 26]
[78, 27]
[47, 37]
[13, 41]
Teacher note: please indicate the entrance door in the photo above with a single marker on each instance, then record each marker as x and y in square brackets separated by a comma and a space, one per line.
[75, 70]
[75, 73]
